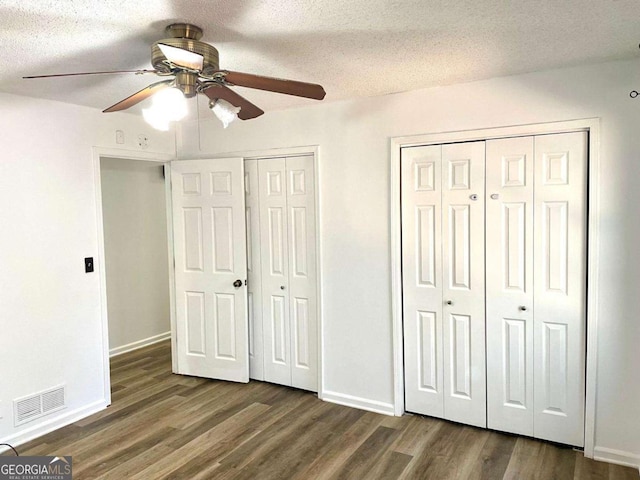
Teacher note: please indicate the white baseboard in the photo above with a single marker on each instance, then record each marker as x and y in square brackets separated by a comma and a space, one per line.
[618, 457]
[139, 344]
[358, 402]
[49, 425]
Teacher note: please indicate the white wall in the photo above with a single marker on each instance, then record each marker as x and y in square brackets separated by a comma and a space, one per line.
[50, 326]
[355, 223]
[135, 243]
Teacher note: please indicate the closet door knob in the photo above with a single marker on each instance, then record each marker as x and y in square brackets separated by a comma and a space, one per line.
[281, 287]
[522, 308]
[449, 302]
[237, 283]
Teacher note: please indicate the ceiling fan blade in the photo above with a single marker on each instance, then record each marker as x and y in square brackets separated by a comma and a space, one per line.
[279, 85]
[137, 72]
[247, 109]
[137, 97]
[181, 57]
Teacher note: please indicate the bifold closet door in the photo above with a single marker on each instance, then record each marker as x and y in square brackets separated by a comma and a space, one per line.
[289, 277]
[536, 285]
[510, 313]
[275, 270]
[254, 270]
[302, 272]
[443, 281]
[421, 199]
[463, 283]
[560, 251]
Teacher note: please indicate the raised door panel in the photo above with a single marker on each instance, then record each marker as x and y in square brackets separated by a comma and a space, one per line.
[560, 286]
[422, 279]
[463, 287]
[210, 255]
[509, 304]
[254, 267]
[275, 270]
[302, 285]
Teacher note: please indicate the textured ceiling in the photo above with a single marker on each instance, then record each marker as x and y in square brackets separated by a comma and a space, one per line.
[353, 48]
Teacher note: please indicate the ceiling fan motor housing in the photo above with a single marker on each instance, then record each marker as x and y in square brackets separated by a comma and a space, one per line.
[186, 36]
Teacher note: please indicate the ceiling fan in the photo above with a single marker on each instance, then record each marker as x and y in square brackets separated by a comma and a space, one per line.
[192, 67]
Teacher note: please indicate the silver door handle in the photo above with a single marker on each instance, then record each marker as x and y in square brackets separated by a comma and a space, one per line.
[495, 196]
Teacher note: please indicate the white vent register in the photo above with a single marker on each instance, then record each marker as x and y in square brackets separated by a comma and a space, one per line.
[38, 405]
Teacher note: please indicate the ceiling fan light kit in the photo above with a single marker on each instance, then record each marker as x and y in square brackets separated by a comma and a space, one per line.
[194, 68]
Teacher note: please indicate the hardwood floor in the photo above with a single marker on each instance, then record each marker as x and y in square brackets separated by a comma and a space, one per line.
[169, 426]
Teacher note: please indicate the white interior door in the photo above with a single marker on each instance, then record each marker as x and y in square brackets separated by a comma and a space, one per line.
[254, 270]
[210, 268]
[509, 236]
[272, 181]
[302, 285]
[560, 286]
[422, 279]
[463, 288]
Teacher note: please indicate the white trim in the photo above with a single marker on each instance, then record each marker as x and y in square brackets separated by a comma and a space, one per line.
[145, 342]
[97, 153]
[358, 402]
[266, 153]
[592, 125]
[52, 424]
[618, 457]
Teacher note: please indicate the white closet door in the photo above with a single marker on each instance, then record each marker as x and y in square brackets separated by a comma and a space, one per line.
[560, 287]
[272, 182]
[463, 282]
[509, 257]
[302, 272]
[211, 268]
[422, 279]
[254, 264]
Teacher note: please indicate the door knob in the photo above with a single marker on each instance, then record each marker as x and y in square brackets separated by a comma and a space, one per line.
[522, 308]
[449, 302]
[281, 287]
[495, 196]
[237, 283]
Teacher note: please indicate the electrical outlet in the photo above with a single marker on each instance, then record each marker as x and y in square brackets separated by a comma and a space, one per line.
[143, 141]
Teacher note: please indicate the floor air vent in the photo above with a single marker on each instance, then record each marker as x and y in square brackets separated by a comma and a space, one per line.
[37, 405]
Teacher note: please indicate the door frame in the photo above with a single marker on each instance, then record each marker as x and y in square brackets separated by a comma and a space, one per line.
[289, 152]
[590, 125]
[161, 159]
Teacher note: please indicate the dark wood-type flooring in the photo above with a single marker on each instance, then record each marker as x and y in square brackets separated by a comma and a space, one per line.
[162, 425]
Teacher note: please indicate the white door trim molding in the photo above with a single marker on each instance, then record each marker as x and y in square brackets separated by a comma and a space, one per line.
[591, 125]
[97, 154]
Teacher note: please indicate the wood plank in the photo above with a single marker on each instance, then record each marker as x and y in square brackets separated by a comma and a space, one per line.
[163, 425]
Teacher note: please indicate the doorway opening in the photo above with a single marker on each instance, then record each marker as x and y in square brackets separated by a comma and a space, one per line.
[133, 260]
